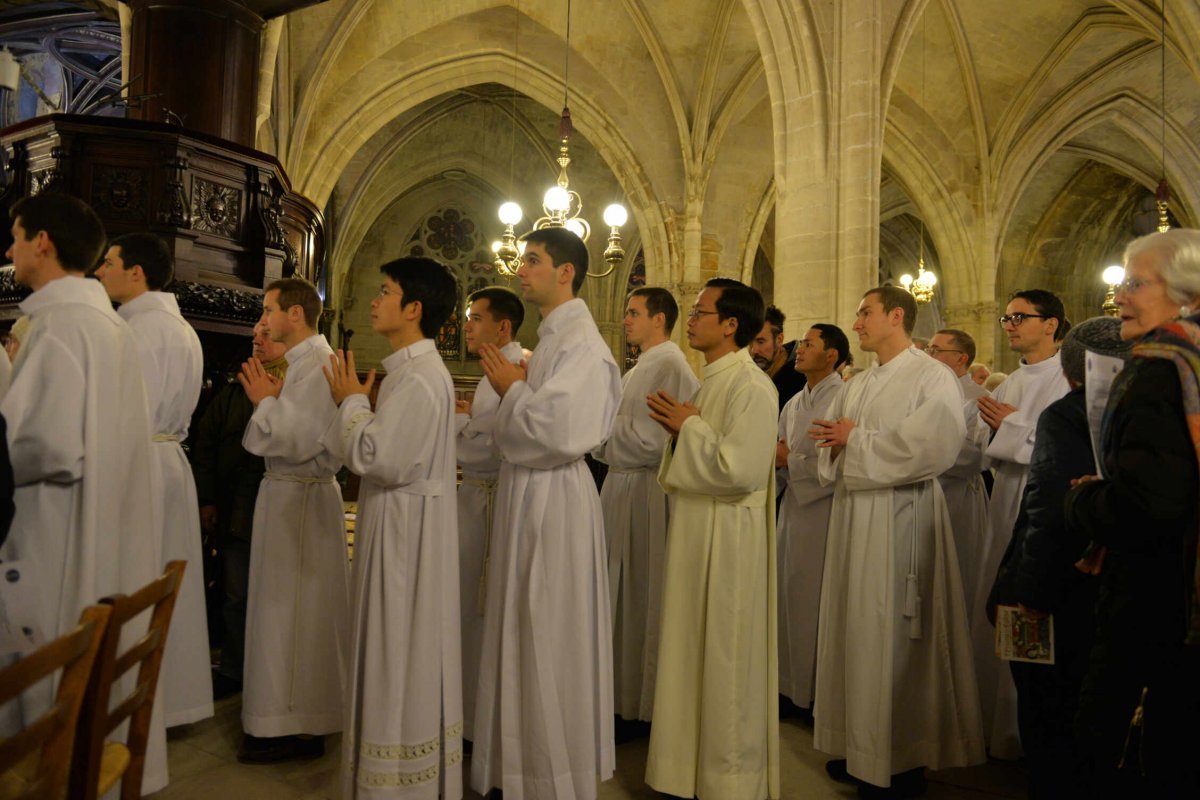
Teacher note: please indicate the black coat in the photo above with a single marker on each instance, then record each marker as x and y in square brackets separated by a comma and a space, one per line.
[1038, 569]
[1144, 513]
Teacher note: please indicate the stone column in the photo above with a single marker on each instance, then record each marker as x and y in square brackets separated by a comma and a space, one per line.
[201, 59]
[824, 72]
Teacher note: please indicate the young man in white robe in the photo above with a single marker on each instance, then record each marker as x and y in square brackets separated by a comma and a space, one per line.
[716, 711]
[804, 512]
[136, 268]
[494, 316]
[1035, 323]
[962, 484]
[297, 618]
[404, 727]
[544, 712]
[895, 689]
[634, 505]
[79, 440]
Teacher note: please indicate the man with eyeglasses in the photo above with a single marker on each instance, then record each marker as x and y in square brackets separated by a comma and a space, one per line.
[1035, 322]
[716, 712]
[966, 497]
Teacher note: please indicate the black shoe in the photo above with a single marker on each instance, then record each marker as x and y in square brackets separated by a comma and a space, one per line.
[224, 686]
[628, 730]
[904, 785]
[260, 750]
[836, 769]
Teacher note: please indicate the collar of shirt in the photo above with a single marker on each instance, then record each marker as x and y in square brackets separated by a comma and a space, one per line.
[729, 361]
[513, 352]
[405, 354]
[304, 348]
[562, 316]
[148, 301]
[68, 289]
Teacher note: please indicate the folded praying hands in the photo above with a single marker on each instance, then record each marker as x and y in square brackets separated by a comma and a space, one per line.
[259, 385]
[343, 377]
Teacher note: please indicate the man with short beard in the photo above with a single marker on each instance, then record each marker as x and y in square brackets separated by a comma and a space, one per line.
[776, 358]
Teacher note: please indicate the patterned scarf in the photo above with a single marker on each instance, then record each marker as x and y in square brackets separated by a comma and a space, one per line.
[1179, 342]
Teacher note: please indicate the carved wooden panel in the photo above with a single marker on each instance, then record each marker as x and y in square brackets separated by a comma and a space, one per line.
[119, 193]
[216, 208]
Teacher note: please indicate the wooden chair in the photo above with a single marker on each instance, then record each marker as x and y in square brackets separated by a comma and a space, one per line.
[98, 764]
[35, 763]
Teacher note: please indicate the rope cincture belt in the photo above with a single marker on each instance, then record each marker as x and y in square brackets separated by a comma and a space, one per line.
[164, 437]
[308, 481]
[489, 490]
[632, 470]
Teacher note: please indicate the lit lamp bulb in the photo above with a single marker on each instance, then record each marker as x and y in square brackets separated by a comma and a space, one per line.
[496, 246]
[1112, 276]
[557, 200]
[930, 279]
[511, 213]
[576, 226]
[906, 280]
[615, 215]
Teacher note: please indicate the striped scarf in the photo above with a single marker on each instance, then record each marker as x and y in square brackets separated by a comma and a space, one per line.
[1179, 342]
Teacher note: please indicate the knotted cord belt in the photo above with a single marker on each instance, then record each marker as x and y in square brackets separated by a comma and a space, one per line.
[164, 437]
[489, 492]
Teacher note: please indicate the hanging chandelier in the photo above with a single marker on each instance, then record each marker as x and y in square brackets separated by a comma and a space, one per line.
[1112, 277]
[921, 287]
[561, 205]
[1162, 195]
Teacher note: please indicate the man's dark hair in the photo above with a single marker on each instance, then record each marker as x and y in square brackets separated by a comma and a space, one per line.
[893, 297]
[962, 340]
[741, 302]
[659, 301]
[775, 318]
[77, 233]
[1046, 303]
[151, 253]
[834, 338]
[298, 292]
[503, 304]
[429, 282]
[563, 247]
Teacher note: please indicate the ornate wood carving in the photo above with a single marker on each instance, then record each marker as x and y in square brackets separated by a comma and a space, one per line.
[222, 303]
[216, 208]
[175, 203]
[119, 193]
[228, 212]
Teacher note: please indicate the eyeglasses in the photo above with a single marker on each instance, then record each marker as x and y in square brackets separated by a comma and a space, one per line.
[1019, 318]
[933, 351]
[1131, 285]
[696, 313]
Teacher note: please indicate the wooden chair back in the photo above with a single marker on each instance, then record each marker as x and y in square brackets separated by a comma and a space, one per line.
[35, 763]
[98, 763]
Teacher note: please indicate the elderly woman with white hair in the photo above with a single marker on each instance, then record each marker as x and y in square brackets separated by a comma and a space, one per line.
[1138, 723]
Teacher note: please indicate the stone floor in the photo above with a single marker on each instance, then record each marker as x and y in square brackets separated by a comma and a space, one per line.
[203, 764]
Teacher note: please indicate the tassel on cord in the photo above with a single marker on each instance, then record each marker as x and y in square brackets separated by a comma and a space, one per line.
[912, 597]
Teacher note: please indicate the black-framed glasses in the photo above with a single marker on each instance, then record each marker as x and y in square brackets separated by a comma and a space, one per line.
[1018, 318]
[695, 313]
[933, 351]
